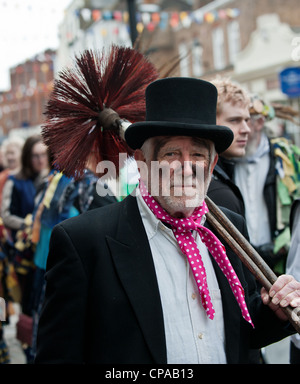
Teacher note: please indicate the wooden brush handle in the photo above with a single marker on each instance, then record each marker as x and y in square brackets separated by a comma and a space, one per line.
[248, 255]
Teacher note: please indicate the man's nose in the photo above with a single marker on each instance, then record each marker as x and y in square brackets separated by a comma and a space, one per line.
[245, 127]
[187, 167]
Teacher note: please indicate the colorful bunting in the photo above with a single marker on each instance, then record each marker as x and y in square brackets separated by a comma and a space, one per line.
[158, 18]
[148, 20]
[161, 19]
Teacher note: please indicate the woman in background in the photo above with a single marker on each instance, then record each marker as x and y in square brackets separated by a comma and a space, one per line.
[18, 197]
[11, 151]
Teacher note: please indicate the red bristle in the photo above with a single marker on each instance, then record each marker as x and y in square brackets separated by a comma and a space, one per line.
[116, 80]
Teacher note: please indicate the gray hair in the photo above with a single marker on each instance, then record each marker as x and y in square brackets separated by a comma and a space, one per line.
[13, 140]
[149, 148]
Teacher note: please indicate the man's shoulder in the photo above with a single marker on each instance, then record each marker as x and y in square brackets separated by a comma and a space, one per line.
[218, 184]
[235, 218]
[101, 216]
[231, 214]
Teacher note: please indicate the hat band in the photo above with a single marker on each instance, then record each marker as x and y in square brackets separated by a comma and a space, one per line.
[181, 120]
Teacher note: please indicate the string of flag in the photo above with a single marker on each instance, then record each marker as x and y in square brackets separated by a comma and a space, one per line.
[148, 20]
[163, 20]
[144, 19]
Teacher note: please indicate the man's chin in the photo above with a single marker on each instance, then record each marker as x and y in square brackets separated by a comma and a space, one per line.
[186, 191]
[183, 203]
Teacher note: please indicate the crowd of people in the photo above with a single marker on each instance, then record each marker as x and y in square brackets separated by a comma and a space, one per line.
[34, 197]
[247, 177]
[243, 173]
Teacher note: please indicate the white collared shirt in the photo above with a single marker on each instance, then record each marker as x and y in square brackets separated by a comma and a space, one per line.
[191, 337]
[250, 177]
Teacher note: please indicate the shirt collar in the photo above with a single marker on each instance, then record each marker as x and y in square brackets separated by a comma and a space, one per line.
[151, 222]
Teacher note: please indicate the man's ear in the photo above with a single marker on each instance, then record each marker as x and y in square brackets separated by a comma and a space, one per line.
[214, 163]
[138, 155]
[141, 164]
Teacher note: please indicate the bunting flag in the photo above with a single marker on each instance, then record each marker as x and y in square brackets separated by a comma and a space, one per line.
[148, 20]
[162, 20]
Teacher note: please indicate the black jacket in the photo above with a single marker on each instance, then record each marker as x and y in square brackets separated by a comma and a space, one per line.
[270, 193]
[102, 302]
[293, 211]
[222, 190]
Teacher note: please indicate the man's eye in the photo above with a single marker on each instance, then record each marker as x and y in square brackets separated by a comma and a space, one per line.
[235, 121]
[198, 155]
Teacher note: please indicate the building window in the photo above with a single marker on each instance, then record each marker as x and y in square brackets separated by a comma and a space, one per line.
[218, 48]
[234, 40]
[184, 59]
[197, 57]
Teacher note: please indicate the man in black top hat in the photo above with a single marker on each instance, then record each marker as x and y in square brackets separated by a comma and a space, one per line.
[132, 283]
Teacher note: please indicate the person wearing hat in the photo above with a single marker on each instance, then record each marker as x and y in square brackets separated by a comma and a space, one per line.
[146, 280]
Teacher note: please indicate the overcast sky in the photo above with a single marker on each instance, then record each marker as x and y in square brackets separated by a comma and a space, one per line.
[27, 27]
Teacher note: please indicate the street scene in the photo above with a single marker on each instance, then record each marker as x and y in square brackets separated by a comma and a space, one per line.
[150, 172]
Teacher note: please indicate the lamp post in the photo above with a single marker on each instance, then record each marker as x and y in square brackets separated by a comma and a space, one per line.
[132, 20]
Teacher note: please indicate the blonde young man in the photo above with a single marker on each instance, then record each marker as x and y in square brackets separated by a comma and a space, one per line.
[144, 280]
[232, 111]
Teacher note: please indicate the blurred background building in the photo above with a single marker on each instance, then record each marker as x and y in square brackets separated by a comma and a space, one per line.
[250, 41]
[23, 105]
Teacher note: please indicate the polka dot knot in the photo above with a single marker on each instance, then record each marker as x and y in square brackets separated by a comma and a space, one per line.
[182, 229]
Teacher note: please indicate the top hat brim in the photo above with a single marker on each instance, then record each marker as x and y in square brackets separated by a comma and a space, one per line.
[137, 133]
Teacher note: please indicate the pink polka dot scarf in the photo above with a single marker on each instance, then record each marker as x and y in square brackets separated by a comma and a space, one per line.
[182, 229]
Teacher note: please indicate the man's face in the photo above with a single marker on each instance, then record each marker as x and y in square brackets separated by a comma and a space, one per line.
[235, 117]
[178, 173]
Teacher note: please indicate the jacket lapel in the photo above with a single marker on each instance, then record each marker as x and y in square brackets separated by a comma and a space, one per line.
[134, 264]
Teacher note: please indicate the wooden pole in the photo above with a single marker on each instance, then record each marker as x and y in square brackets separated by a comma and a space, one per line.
[132, 20]
[247, 254]
[240, 239]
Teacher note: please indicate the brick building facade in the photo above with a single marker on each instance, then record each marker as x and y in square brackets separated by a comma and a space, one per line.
[206, 45]
[211, 46]
[31, 84]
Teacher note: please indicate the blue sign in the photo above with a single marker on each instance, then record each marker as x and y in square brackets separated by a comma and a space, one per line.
[290, 81]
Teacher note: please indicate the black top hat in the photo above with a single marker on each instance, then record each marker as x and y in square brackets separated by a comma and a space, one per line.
[179, 106]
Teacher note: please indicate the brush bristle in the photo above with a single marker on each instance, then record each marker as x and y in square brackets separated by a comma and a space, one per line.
[72, 130]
